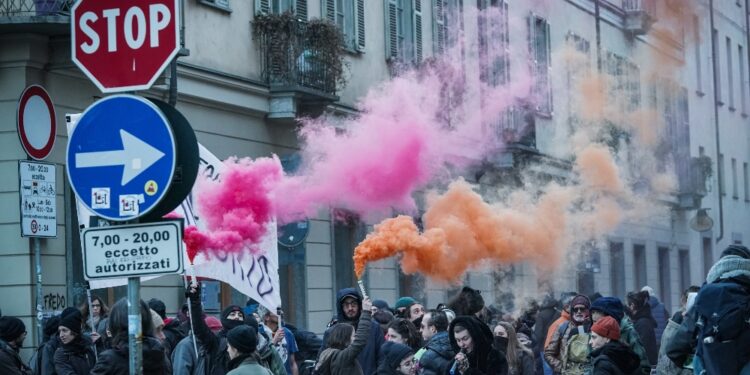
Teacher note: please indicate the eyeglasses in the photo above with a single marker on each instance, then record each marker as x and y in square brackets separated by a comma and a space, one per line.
[350, 304]
[96, 305]
[579, 309]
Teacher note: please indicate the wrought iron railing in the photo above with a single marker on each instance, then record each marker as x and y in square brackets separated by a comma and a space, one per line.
[26, 8]
[288, 59]
[516, 125]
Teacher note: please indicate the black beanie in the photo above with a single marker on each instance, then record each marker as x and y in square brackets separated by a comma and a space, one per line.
[50, 326]
[73, 322]
[158, 306]
[243, 338]
[737, 250]
[229, 324]
[11, 328]
[68, 311]
[394, 353]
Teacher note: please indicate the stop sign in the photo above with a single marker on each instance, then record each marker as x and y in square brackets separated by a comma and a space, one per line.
[123, 45]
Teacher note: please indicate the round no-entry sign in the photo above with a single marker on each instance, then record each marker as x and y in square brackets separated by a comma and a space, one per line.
[36, 122]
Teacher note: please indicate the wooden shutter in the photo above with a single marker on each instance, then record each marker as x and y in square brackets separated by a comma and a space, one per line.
[417, 27]
[262, 6]
[329, 10]
[359, 27]
[438, 26]
[300, 9]
[391, 29]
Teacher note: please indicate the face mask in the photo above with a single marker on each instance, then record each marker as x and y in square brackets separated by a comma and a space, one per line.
[501, 343]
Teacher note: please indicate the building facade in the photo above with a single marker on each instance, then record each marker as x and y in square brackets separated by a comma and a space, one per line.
[230, 87]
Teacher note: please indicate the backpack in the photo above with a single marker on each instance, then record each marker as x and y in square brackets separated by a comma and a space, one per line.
[723, 325]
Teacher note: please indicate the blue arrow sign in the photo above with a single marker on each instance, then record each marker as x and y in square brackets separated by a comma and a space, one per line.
[121, 157]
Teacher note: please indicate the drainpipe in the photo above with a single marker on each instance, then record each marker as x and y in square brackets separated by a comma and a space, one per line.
[597, 17]
[172, 100]
[719, 174]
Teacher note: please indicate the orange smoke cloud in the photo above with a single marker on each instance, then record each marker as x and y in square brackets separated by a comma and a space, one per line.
[462, 231]
[597, 169]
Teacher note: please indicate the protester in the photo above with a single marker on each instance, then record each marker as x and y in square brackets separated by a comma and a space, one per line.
[404, 332]
[472, 340]
[283, 341]
[644, 323]
[50, 334]
[609, 355]
[12, 335]
[171, 330]
[612, 306]
[679, 314]
[380, 305]
[467, 302]
[715, 329]
[414, 313]
[115, 361]
[402, 304]
[658, 311]
[520, 359]
[76, 355]
[384, 318]
[99, 312]
[568, 351]
[398, 359]
[242, 342]
[343, 345]
[436, 357]
[350, 310]
[564, 317]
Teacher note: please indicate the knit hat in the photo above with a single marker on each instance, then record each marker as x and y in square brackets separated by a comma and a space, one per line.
[158, 306]
[394, 353]
[229, 324]
[68, 311]
[607, 327]
[404, 302]
[610, 306]
[580, 300]
[50, 326]
[243, 338]
[380, 304]
[156, 320]
[212, 323]
[11, 328]
[737, 250]
[73, 322]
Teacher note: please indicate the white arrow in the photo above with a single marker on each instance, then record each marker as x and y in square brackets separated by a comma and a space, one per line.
[136, 156]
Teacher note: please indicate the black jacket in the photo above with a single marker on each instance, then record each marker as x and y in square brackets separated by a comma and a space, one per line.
[173, 334]
[484, 359]
[547, 314]
[75, 358]
[438, 355]
[615, 358]
[115, 361]
[47, 353]
[645, 325]
[10, 361]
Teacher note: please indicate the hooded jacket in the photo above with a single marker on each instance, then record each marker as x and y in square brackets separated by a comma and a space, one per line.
[438, 355]
[556, 352]
[345, 361]
[115, 361]
[75, 358]
[369, 357]
[615, 358]
[484, 359]
[645, 325]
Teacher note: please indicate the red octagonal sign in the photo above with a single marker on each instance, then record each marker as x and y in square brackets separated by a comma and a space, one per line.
[123, 45]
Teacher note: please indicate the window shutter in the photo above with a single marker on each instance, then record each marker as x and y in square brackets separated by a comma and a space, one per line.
[329, 10]
[548, 64]
[391, 29]
[300, 9]
[262, 6]
[438, 26]
[417, 12]
[359, 29]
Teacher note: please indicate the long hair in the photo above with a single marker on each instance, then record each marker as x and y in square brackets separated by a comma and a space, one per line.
[118, 322]
[638, 300]
[408, 331]
[467, 302]
[103, 310]
[514, 345]
[340, 336]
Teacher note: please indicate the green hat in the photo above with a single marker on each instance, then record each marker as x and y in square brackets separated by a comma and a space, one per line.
[404, 302]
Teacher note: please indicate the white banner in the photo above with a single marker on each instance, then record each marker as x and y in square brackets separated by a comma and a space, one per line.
[256, 276]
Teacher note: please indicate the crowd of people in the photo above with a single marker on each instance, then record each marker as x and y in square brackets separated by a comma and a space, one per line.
[571, 335]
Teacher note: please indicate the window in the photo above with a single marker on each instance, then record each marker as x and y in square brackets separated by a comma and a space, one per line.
[299, 7]
[438, 26]
[624, 78]
[708, 255]
[539, 51]
[717, 66]
[697, 45]
[403, 30]
[494, 42]
[684, 258]
[578, 67]
[743, 79]
[722, 188]
[219, 4]
[617, 269]
[730, 74]
[734, 179]
[349, 16]
[447, 25]
[639, 266]
[665, 277]
[746, 180]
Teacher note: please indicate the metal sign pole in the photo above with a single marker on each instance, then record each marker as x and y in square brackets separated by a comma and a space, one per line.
[39, 307]
[135, 333]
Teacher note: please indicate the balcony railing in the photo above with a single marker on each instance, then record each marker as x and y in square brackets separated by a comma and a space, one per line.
[639, 15]
[33, 8]
[289, 59]
[517, 126]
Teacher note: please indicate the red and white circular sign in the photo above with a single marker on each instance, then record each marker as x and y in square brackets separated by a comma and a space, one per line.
[36, 122]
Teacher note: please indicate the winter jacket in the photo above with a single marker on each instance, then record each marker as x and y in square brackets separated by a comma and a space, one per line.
[526, 365]
[115, 361]
[629, 337]
[615, 358]
[250, 366]
[484, 359]
[172, 333]
[547, 315]
[369, 357]
[438, 355]
[645, 325]
[665, 365]
[660, 314]
[345, 361]
[557, 351]
[564, 317]
[47, 352]
[75, 358]
[10, 361]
